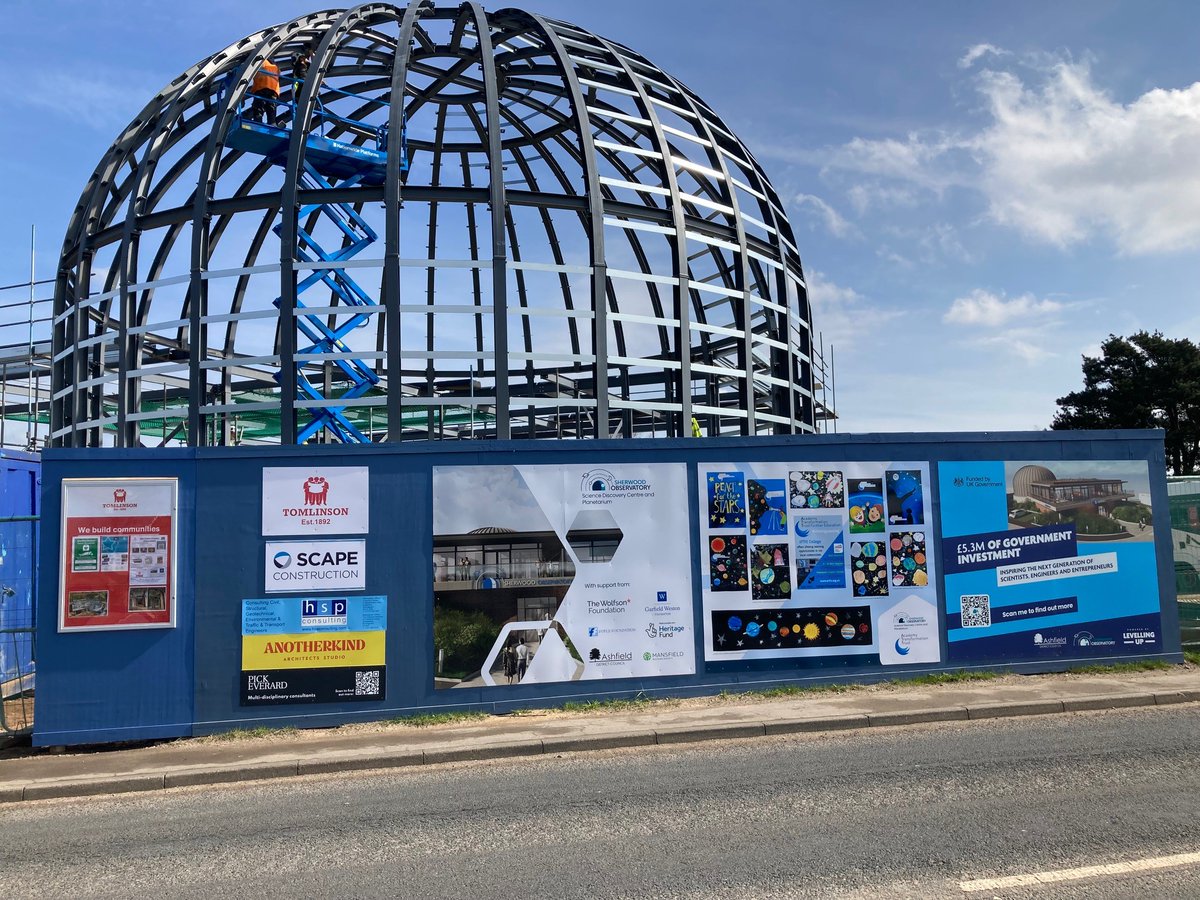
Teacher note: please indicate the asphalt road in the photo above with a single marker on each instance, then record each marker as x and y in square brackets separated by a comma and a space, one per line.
[910, 812]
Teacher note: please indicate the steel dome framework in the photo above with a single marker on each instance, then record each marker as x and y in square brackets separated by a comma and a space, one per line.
[564, 241]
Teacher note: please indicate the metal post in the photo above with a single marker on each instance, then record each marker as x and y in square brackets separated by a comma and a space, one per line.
[29, 434]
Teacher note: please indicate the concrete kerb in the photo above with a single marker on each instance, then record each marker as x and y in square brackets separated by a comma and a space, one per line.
[45, 790]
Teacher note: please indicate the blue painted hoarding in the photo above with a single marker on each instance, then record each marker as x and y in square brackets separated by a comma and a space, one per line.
[1074, 529]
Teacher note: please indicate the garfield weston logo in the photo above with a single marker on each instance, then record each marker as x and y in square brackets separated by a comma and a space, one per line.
[316, 491]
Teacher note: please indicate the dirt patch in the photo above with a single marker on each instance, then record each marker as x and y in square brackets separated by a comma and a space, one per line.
[18, 714]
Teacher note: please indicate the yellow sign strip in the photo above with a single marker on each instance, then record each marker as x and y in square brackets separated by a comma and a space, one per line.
[325, 650]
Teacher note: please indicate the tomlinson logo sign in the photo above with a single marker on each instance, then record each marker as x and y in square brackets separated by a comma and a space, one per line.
[316, 566]
[325, 500]
[316, 492]
[120, 501]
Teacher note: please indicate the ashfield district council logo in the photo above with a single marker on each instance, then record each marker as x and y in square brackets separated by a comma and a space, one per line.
[282, 559]
[316, 491]
[597, 481]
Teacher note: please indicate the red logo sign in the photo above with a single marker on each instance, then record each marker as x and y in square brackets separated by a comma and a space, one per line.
[316, 492]
[119, 495]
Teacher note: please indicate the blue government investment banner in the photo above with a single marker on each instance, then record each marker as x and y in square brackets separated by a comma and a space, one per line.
[1048, 559]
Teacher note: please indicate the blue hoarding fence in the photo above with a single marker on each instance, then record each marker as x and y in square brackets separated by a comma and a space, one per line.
[1028, 552]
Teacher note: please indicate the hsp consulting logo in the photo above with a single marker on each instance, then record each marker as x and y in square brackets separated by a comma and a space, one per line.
[323, 613]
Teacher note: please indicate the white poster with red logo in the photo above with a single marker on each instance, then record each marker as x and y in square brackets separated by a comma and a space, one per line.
[301, 500]
[118, 553]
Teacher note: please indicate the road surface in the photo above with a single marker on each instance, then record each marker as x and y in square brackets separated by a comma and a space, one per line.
[923, 811]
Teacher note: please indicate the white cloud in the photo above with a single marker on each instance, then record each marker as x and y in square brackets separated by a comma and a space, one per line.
[834, 221]
[978, 51]
[1058, 159]
[1065, 162]
[841, 313]
[990, 310]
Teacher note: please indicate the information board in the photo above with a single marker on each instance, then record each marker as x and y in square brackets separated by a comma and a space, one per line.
[118, 556]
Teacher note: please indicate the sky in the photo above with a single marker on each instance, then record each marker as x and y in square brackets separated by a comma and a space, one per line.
[981, 192]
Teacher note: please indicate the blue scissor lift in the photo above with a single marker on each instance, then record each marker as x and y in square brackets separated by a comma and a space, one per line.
[327, 162]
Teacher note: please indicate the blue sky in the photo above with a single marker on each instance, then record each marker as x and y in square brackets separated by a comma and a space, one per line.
[981, 191]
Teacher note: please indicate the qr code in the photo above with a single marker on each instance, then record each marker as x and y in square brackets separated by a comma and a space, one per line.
[366, 683]
[976, 610]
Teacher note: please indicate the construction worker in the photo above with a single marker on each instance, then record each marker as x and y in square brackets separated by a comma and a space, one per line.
[300, 66]
[265, 91]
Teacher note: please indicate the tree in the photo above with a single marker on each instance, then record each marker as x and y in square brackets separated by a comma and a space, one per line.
[1143, 381]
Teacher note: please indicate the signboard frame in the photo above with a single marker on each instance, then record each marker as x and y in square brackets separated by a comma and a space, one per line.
[69, 581]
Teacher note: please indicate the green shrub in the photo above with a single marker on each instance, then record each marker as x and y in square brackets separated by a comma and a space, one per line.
[465, 636]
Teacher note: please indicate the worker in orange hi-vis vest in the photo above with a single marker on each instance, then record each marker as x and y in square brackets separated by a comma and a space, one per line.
[265, 91]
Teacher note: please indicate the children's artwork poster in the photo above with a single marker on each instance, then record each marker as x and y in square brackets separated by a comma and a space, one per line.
[853, 573]
[118, 553]
[313, 650]
[1049, 559]
[575, 573]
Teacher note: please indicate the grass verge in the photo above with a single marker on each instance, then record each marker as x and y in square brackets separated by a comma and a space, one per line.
[1192, 656]
[1141, 665]
[249, 734]
[426, 720]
